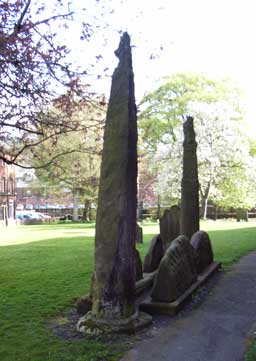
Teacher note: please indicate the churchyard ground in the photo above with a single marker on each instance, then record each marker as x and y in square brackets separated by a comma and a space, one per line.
[45, 268]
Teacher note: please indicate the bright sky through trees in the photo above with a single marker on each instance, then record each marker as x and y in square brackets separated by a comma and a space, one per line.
[215, 37]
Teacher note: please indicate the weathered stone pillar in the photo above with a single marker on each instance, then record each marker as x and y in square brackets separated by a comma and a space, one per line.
[113, 286]
[190, 184]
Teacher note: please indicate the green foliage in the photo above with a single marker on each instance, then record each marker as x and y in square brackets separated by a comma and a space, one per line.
[251, 353]
[253, 147]
[73, 164]
[182, 94]
[223, 152]
[237, 189]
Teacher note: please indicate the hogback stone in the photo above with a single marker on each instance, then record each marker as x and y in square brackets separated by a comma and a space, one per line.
[139, 234]
[176, 273]
[170, 225]
[154, 255]
[200, 241]
[189, 184]
[139, 269]
[115, 266]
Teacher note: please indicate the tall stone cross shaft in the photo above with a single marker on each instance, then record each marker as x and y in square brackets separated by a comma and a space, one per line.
[113, 286]
[189, 184]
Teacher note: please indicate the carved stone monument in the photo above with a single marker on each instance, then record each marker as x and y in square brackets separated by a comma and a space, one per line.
[139, 234]
[170, 225]
[139, 269]
[154, 255]
[113, 286]
[189, 184]
[177, 271]
[200, 241]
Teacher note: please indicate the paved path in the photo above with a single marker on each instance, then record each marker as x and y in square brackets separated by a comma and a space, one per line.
[214, 331]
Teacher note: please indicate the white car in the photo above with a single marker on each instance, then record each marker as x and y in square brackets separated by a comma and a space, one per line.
[22, 215]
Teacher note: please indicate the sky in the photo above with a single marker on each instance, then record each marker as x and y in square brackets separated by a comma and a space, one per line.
[216, 37]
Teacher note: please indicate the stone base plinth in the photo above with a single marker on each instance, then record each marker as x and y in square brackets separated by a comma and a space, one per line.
[91, 325]
[171, 308]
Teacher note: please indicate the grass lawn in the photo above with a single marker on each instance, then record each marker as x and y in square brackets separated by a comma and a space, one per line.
[44, 269]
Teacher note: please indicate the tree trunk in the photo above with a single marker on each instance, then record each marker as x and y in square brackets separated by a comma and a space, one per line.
[87, 211]
[204, 200]
[158, 207]
[75, 205]
[204, 203]
[140, 211]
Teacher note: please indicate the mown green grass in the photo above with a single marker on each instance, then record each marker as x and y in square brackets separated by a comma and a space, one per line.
[44, 269]
[39, 281]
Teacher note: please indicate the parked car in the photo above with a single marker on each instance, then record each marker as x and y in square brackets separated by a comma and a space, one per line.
[44, 216]
[22, 215]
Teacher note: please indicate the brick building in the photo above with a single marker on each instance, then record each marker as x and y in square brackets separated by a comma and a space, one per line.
[7, 193]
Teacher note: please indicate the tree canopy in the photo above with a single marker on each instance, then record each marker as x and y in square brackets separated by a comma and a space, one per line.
[36, 73]
[73, 164]
[181, 95]
[223, 148]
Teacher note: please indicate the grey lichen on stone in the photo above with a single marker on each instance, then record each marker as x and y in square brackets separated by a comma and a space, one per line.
[176, 273]
[190, 183]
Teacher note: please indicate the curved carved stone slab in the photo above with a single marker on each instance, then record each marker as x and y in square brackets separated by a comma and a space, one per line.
[154, 255]
[177, 271]
[139, 270]
[200, 241]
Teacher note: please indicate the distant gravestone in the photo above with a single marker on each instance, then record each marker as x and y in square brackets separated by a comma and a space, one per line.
[241, 215]
[154, 255]
[200, 241]
[139, 234]
[176, 273]
[189, 183]
[170, 225]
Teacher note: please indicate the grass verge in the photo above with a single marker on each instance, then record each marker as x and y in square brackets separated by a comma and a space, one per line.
[44, 269]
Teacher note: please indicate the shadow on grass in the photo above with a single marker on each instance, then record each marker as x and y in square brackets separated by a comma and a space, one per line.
[52, 226]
